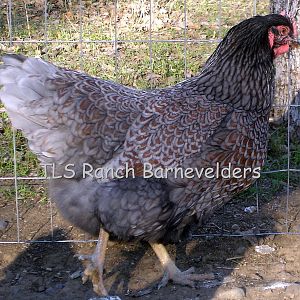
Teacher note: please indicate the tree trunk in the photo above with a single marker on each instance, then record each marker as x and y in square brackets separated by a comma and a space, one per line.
[287, 72]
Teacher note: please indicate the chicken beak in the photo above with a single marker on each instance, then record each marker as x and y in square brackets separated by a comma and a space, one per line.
[295, 43]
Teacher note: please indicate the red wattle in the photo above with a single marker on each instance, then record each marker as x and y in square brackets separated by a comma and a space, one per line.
[281, 50]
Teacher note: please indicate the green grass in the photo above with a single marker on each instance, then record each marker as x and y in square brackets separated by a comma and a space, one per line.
[133, 62]
[27, 163]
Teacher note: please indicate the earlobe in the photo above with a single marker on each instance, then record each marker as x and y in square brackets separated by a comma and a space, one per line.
[271, 38]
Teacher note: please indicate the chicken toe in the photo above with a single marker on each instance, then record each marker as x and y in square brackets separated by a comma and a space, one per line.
[171, 272]
[187, 277]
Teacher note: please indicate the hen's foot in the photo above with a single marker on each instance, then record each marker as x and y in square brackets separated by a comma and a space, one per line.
[93, 272]
[187, 277]
[94, 268]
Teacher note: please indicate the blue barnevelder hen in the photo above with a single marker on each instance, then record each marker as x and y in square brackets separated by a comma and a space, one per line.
[218, 118]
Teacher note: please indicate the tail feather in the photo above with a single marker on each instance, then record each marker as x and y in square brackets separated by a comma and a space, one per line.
[38, 66]
[8, 75]
[23, 91]
[67, 116]
[28, 100]
[13, 59]
[35, 84]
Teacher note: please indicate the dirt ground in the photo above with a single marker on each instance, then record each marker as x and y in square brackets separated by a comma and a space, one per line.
[50, 270]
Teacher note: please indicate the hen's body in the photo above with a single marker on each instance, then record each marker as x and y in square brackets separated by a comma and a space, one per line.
[214, 120]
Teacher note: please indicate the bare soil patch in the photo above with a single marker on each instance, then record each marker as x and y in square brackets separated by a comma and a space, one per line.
[43, 270]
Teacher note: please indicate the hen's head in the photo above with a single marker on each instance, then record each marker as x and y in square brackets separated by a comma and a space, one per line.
[282, 36]
[273, 33]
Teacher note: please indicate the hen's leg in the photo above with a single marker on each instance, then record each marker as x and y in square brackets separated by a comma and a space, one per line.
[94, 269]
[171, 272]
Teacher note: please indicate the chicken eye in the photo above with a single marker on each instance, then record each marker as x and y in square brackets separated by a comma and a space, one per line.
[283, 30]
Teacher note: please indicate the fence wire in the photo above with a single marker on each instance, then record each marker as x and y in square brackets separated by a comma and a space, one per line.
[115, 42]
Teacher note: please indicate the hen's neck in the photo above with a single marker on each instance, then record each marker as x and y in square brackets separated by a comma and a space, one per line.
[241, 77]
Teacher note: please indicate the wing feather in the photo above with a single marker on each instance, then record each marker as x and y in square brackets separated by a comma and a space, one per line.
[168, 131]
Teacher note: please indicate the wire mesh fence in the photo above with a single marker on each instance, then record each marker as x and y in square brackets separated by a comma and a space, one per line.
[82, 39]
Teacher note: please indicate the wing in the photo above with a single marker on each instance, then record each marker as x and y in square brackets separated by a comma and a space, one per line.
[168, 131]
[67, 116]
